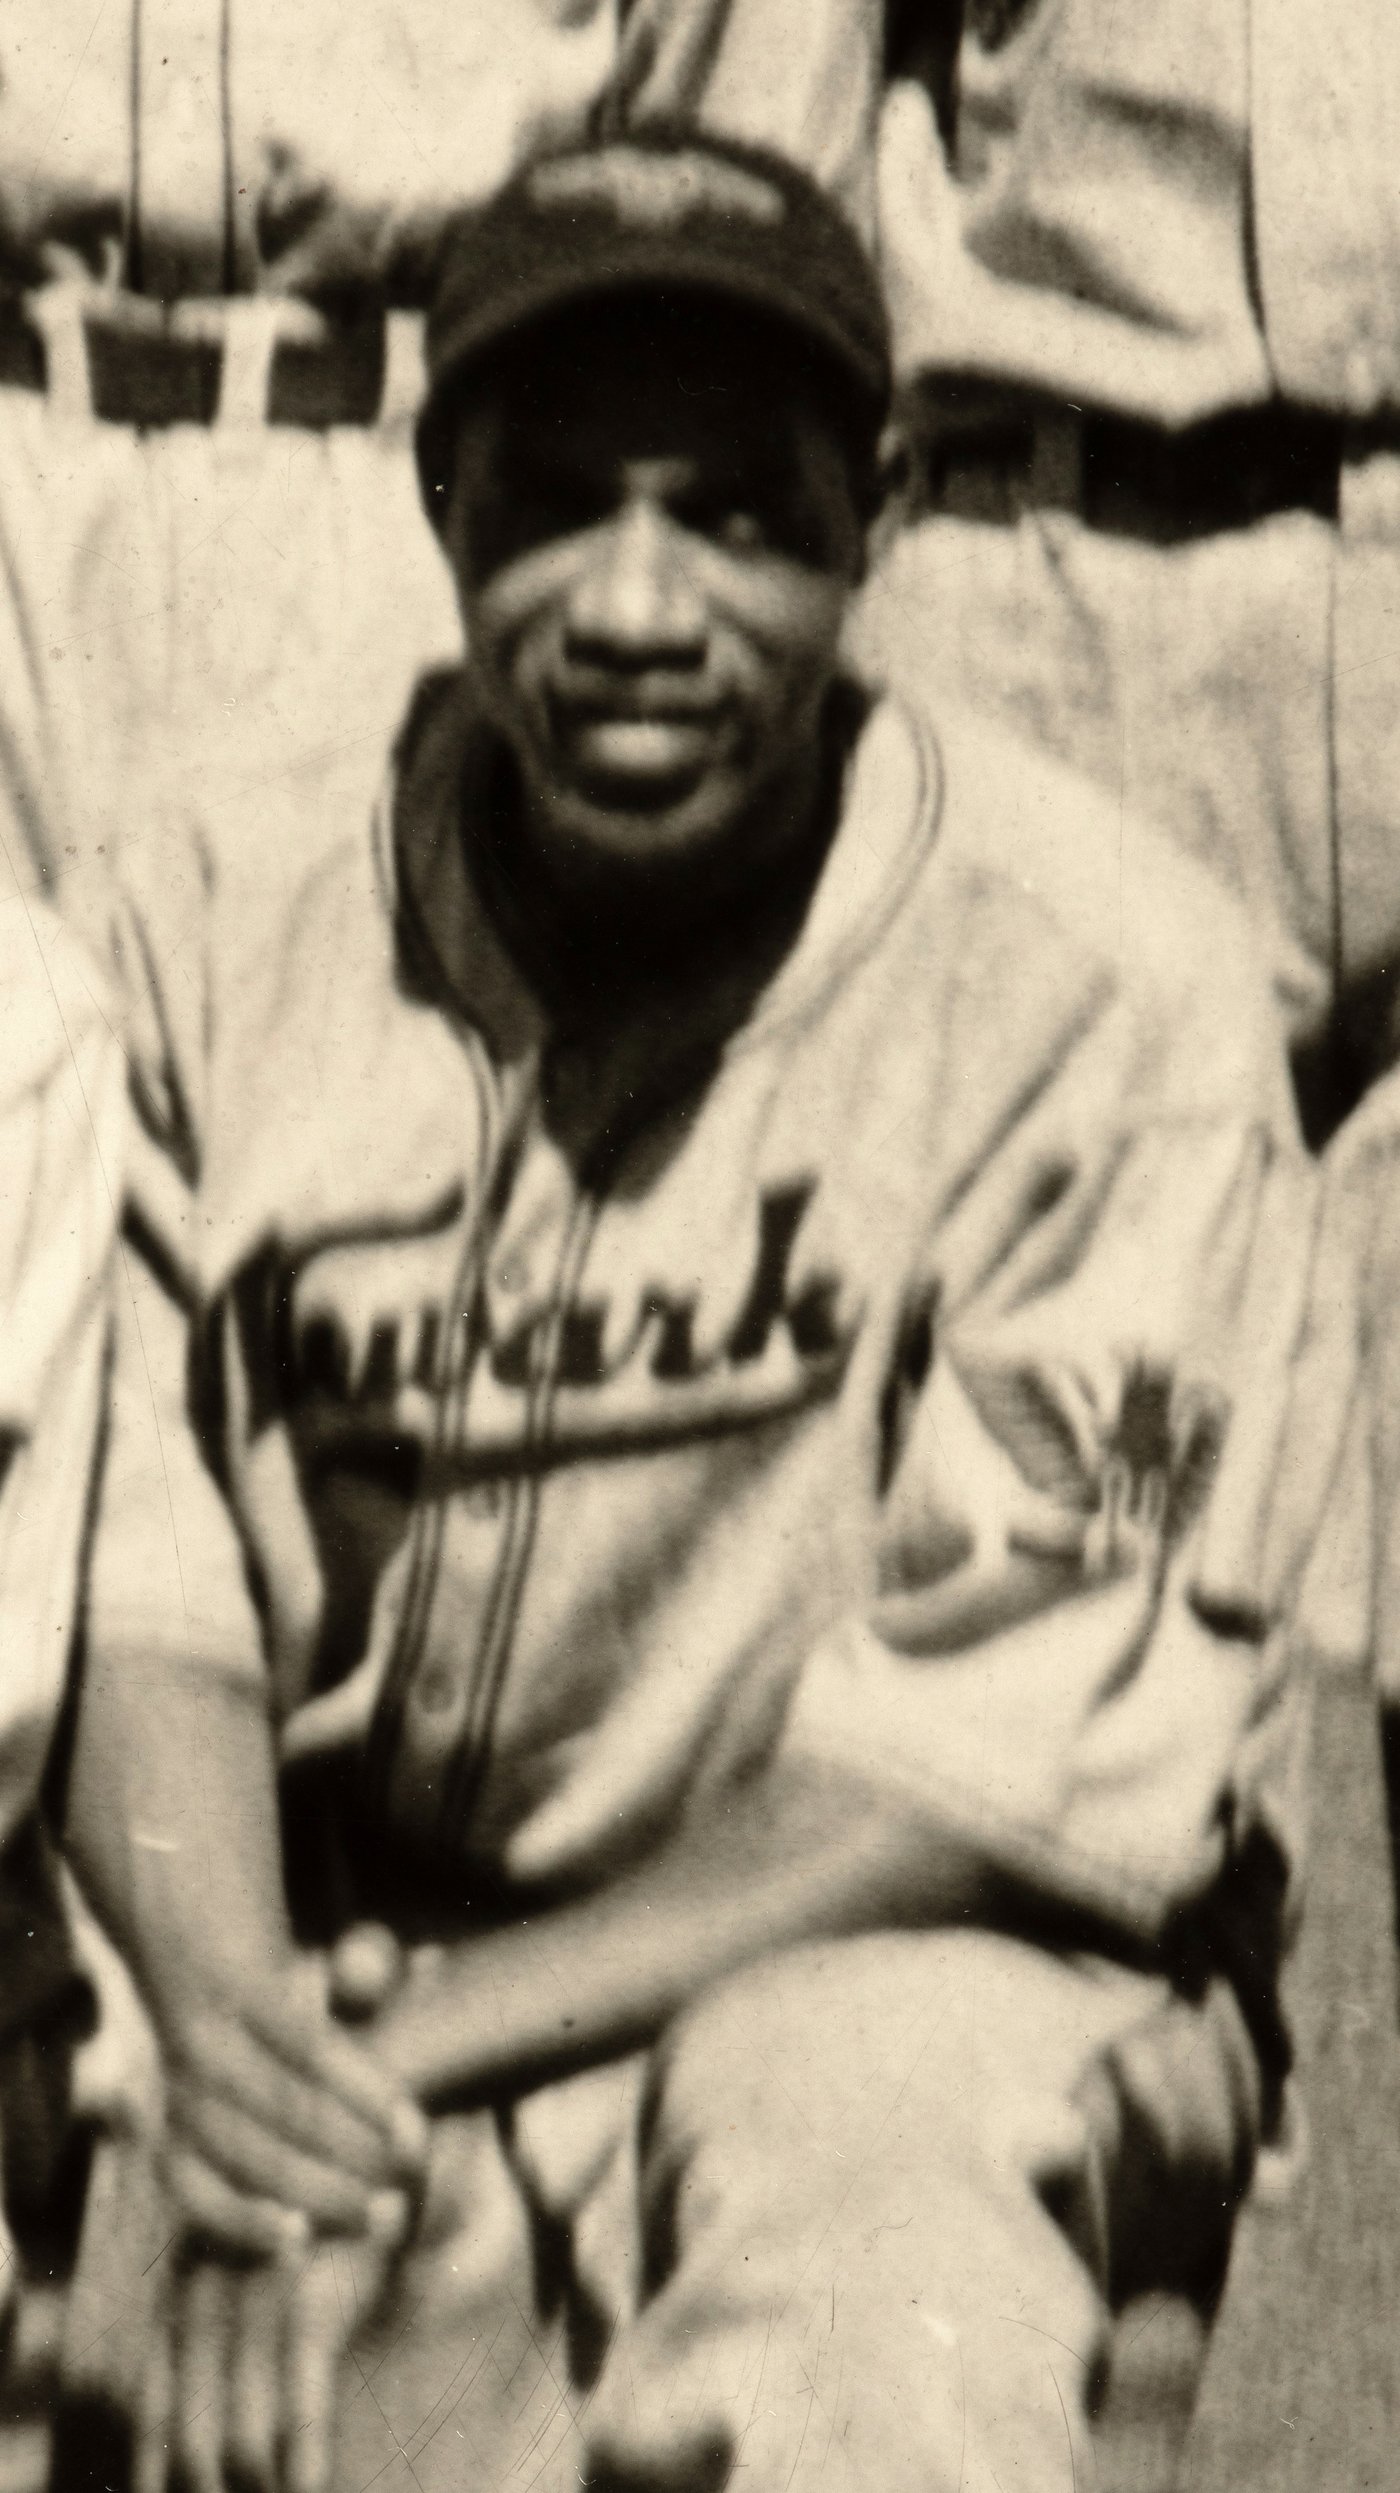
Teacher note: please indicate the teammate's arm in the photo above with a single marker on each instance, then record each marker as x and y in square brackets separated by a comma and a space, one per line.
[278, 2121]
[801, 1854]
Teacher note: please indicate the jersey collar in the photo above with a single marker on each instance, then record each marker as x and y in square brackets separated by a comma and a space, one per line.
[454, 953]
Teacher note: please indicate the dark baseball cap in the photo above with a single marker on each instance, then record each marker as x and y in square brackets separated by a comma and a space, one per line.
[664, 212]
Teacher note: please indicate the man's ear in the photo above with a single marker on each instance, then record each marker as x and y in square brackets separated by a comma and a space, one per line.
[892, 492]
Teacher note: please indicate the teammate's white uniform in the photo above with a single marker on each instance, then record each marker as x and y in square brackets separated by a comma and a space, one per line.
[882, 1344]
[62, 1157]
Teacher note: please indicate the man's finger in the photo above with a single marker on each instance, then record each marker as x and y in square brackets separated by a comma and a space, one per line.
[254, 2398]
[318, 2333]
[255, 2161]
[292, 2106]
[151, 2469]
[203, 2310]
[321, 2051]
[233, 2221]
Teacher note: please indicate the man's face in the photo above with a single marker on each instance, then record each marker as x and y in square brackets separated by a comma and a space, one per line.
[654, 536]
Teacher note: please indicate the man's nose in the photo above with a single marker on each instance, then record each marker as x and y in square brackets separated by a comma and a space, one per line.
[634, 603]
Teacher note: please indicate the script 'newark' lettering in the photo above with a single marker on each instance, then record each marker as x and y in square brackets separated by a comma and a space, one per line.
[803, 1323]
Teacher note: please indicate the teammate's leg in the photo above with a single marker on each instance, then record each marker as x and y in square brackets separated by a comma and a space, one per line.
[889, 2187]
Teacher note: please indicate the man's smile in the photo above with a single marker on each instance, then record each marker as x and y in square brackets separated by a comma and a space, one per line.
[619, 738]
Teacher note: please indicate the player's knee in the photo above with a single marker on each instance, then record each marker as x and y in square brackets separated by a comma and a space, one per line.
[789, 2062]
[791, 2041]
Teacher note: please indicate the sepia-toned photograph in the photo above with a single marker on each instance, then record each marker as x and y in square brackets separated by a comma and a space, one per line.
[699, 1177]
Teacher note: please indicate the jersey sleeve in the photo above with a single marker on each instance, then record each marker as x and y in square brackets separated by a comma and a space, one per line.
[168, 1583]
[167, 1580]
[1113, 1419]
[61, 1162]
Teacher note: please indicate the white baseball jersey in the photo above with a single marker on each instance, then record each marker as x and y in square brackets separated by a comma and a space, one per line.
[882, 1341]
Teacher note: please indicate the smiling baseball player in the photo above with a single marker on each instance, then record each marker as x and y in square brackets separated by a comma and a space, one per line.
[743, 1302]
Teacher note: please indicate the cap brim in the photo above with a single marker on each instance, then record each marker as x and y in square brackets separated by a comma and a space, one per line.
[660, 265]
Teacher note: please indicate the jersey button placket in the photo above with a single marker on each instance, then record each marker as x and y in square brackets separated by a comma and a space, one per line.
[440, 1687]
